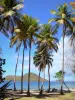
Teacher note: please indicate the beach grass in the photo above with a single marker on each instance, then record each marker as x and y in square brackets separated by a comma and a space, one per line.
[67, 96]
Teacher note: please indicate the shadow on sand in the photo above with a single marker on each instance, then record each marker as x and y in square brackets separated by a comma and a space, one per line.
[19, 95]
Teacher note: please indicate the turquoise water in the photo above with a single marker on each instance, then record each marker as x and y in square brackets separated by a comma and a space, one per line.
[34, 85]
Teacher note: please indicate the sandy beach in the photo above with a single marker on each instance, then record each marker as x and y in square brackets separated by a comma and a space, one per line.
[36, 92]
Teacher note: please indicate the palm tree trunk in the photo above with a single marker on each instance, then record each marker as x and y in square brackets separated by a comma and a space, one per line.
[22, 72]
[15, 72]
[62, 79]
[39, 81]
[44, 78]
[49, 78]
[41, 91]
[66, 86]
[28, 93]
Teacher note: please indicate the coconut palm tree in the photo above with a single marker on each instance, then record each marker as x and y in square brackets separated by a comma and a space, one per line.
[47, 34]
[9, 13]
[39, 61]
[21, 42]
[32, 34]
[15, 72]
[42, 58]
[62, 16]
[19, 39]
[49, 63]
[48, 38]
[39, 74]
[18, 46]
[25, 32]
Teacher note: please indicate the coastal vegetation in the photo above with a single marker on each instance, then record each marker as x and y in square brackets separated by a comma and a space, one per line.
[24, 31]
[58, 76]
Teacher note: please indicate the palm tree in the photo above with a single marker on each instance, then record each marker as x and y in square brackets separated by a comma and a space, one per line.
[58, 75]
[9, 13]
[39, 61]
[16, 71]
[47, 34]
[49, 63]
[21, 42]
[39, 79]
[20, 39]
[18, 46]
[42, 58]
[32, 34]
[25, 32]
[62, 16]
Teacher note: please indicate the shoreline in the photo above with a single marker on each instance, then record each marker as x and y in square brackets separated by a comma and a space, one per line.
[32, 90]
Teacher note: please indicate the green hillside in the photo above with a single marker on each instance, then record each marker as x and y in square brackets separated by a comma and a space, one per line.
[33, 77]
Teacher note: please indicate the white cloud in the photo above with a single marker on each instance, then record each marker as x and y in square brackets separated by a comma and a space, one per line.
[57, 63]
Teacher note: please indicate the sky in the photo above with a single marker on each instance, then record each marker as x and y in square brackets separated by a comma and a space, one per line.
[39, 9]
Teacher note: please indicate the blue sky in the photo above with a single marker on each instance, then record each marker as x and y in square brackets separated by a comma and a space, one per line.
[39, 9]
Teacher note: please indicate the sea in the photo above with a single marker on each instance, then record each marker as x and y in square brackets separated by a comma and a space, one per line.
[34, 85]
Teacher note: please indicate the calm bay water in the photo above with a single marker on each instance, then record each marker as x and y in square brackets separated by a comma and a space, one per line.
[34, 85]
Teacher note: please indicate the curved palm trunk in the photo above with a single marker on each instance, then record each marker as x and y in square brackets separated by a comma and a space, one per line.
[66, 86]
[15, 72]
[44, 77]
[41, 91]
[22, 72]
[49, 78]
[28, 92]
[39, 81]
[62, 79]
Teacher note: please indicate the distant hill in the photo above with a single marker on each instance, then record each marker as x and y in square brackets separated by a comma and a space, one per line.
[33, 77]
